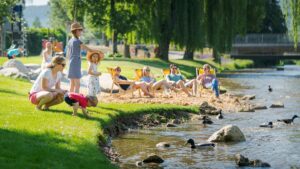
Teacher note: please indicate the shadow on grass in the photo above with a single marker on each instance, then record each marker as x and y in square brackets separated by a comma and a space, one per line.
[20, 149]
[11, 92]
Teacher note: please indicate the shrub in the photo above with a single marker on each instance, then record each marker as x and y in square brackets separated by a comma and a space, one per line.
[36, 35]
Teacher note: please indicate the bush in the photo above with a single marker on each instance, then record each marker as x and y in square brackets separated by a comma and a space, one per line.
[36, 35]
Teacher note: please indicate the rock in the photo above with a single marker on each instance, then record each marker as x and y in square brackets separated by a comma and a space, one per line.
[229, 133]
[277, 105]
[139, 163]
[1, 67]
[12, 63]
[259, 163]
[259, 107]
[240, 160]
[205, 108]
[163, 145]
[14, 73]
[176, 121]
[247, 109]
[32, 67]
[171, 125]
[248, 97]
[153, 159]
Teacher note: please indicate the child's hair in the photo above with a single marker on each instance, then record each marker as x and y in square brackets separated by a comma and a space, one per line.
[206, 66]
[89, 57]
[74, 33]
[93, 100]
[57, 60]
[145, 68]
[172, 65]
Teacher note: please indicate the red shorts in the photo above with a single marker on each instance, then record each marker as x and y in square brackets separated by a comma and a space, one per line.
[32, 98]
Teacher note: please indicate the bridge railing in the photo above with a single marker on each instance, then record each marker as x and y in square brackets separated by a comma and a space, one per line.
[263, 39]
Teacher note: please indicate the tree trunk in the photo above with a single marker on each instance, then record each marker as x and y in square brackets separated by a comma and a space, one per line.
[126, 50]
[163, 52]
[115, 42]
[188, 54]
[216, 56]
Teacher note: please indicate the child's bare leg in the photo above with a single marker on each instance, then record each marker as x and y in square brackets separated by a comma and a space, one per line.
[75, 108]
[85, 112]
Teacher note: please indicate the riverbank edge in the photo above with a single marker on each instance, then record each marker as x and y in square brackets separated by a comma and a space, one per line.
[142, 120]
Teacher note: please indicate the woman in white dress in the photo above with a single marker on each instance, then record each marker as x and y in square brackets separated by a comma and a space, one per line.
[47, 55]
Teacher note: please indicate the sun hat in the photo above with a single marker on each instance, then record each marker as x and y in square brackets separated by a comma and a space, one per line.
[76, 26]
[90, 54]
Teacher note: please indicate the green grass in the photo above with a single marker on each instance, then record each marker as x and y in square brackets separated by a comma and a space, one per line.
[187, 67]
[55, 139]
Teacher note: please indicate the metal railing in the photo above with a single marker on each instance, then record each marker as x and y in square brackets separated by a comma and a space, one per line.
[263, 39]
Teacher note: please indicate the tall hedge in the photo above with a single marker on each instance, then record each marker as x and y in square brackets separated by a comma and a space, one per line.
[36, 35]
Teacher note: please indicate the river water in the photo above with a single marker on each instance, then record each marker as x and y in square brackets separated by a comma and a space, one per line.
[279, 146]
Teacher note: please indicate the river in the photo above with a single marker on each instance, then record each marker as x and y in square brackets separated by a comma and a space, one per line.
[279, 146]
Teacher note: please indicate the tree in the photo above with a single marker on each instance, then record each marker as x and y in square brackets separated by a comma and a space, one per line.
[116, 17]
[36, 23]
[292, 12]
[5, 9]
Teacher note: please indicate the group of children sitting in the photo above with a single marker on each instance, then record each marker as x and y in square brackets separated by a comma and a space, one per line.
[173, 81]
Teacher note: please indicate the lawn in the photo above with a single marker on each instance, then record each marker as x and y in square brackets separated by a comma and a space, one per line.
[55, 139]
[187, 67]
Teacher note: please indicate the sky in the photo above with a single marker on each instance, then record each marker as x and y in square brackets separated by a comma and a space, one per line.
[36, 2]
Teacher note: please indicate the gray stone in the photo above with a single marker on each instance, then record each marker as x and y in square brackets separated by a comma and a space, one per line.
[12, 63]
[163, 145]
[14, 73]
[205, 108]
[229, 133]
[176, 121]
[259, 107]
[248, 97]
[240, 160]
[247, 109]
[139, 163]
[153, 158]
[277, 105]
[32, 66]
[171, 125]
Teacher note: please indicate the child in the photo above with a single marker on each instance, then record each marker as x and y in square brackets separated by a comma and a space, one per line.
[80, 101]
[47, 55]
[93, 82]
[73, 53]
[11, 54]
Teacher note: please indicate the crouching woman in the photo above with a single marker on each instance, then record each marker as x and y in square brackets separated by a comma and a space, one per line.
[46, 91]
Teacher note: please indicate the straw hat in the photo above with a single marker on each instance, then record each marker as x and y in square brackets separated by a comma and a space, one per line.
[76, 26]
[89, 55]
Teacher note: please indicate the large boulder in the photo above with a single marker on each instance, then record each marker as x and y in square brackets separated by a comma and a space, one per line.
[14, 73]
[207, 109]
[32, 67]
[12, 63]
[229, 133]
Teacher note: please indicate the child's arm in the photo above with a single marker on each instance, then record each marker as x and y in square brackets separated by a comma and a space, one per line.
[75, 108]
[91, 72]
[84, 47]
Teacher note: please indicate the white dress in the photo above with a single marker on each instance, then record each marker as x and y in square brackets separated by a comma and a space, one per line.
[93, 82]
[46, 61]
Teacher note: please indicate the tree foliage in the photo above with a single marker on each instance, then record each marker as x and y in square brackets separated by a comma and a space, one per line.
[36, 23]
[5, 9]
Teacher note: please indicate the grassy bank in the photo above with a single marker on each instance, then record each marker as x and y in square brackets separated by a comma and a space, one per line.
[55, 139]
[187, 67]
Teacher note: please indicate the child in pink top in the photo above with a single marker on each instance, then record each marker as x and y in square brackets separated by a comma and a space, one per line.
[77, 100]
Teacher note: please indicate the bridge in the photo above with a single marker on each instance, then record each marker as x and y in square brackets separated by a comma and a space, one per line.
[264, 46]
